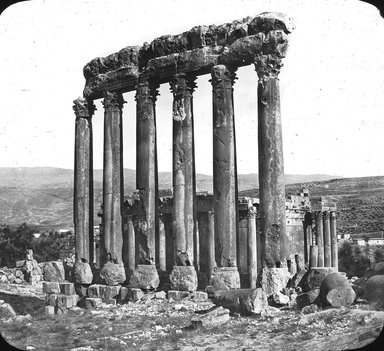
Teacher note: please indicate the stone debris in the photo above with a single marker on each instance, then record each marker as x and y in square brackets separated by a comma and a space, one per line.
[177, 295]
[211, 318]
[183, 278]
[6, 311]
[145, 277]
[336, 291]
[374, 290]
[53, 271]
[113, 273]
[83, 273]
[307, 298]
[280, 299]
[225, 278]
[274, 280]
[59, 297]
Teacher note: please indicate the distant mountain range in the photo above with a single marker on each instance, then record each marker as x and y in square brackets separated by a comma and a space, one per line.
[43, 196]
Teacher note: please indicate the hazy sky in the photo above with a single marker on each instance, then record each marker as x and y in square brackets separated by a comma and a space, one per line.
[332, 82]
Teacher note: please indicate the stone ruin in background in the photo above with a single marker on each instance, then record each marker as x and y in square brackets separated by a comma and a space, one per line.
[189, 240]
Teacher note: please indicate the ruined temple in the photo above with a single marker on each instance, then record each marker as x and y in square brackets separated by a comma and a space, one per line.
[226, 237]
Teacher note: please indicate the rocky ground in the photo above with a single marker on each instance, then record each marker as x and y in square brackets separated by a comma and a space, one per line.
[161, 324]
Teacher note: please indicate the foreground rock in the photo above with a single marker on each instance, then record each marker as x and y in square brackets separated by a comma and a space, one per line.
[211, 318]
[244, 301]
[83, 273]
[53, 271]
[145, 277]
[183, 278]
[113, 273]
[374, 290]
[274, 280]
[336, 291]
[308, 298]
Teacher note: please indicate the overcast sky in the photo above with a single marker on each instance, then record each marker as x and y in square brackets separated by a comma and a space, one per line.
[332, 82]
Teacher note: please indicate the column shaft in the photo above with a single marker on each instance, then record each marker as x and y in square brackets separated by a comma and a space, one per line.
[334, 247]
[252, 248]
[83, 181]
[320, 238]
[211, 243]
[271, 162]
[131, 245]
[313, 256]
[162, 246]
[182, 87]
[113, 176]
[146, 167]
[224, 167]
[327, 240]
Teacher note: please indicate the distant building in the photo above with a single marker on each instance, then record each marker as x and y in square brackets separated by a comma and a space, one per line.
[374, 238]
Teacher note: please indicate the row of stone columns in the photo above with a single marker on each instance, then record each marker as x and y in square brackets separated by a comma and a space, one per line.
[323, 250]
[222, 240]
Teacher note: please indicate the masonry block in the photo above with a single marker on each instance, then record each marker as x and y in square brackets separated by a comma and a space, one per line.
[177, 295]
[109, 301]
[67, 288]
[135, 294]
[112, 292]
[94, 290]
[123, 293]
[51, 299]
[81, 289]
[51, 287]
[49, 310]
[61, 310]
[200, 296]
[67, 301]
[93, 302]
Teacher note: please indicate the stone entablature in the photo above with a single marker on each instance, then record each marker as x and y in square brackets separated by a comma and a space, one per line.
[239, 43]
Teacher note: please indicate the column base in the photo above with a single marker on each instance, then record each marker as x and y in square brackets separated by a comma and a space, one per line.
[183, 278]
[83, 273]
[145, 277]
[113, 273]
[225, 278]
[273, 280]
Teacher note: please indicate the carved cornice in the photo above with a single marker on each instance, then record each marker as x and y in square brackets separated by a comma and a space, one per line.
[267, 66]
[83, 109]
[113, 100]
[223, 76]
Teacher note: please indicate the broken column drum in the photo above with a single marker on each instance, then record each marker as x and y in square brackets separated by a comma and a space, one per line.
[178, 60]
[83, 187]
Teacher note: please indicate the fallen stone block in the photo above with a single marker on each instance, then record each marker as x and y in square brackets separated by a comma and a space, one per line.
[160, 295]
[123, 293]
[67, 288]
[82, 273]
[183, 278]
[51, 299]
[94, 290]
[243, 301]
[200, 296]
[111, 292]
[310, 309]
[109, 301]
[51, 287]
[23, 318]
[113, 273]
[211, 318]
[145, 277]
[93, 302]
[60, 310]
[177, 295]
[308, 298]
[273, 280]
[20, 264]
[49, 310]
[6, 311]
[374, 290]
[67, 301]
[336, 291]
[280, 299]
[135, 294]
[314, 277]
[53, 271]
[81, 289]
[225, 278]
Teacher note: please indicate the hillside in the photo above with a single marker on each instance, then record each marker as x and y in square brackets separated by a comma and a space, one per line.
[44, 196]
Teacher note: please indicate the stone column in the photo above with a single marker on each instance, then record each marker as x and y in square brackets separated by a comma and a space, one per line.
[334, 247]
[182, 87]
[113, 177]
[83, 182]
[224, 177]
[320, 238]
[162, 245]
[307, 236]
[313, 256]
[327, 239]
[146, 179]
[211, 243]
[252, 247]
[271, 162]
[131, 245]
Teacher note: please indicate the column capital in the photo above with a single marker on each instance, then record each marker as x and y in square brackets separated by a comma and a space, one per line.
[267, 66]
[113, 100]
[147, 90]
[251, 212]
[327, 215]
[333, 214]
[182, 84]
[82, 108]
[210, 214]
[222, 74]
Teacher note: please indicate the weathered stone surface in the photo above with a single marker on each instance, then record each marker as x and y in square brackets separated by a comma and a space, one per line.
[183, 278]
[273, 280]
[296, 279]
[135, 294]
[81, 289]
[113, 273]
[109, 301]
[108, 292]
[49, 310]
[374, 290]
[336, 291]
[308, 298]
[280, 299]
[67, 288]
[6, 311]
[243, 301]
[200, 296]
[93, 302]
[123, 293]
[51, 287]
[145, 277]
[314, 277]
[53, 271]
[83, 273]
[212, 318]
[67, 301]
[51, 299]
[225, 278]
[177, 295]
[160, 295]
[94, 290]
